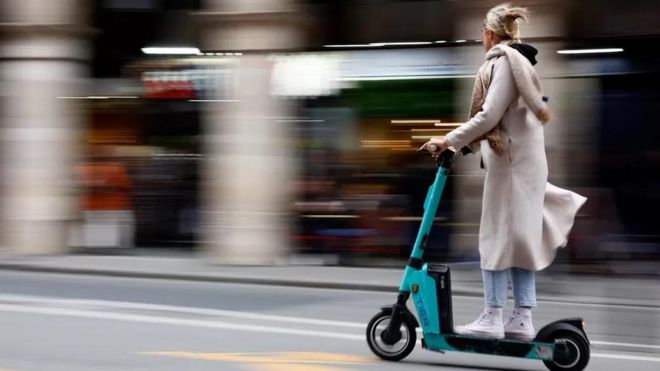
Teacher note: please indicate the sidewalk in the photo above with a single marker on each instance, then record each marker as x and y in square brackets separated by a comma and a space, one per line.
[466, 277]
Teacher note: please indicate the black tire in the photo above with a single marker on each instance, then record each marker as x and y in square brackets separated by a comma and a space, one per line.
[578, 348]
[395, 352]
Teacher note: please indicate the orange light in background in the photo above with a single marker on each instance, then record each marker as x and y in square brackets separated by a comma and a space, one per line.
[422, 138]
[428, 130]
[385, 143]
[414, 122]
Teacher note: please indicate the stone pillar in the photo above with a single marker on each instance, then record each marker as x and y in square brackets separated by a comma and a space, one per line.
[43, 56]
[249, 169]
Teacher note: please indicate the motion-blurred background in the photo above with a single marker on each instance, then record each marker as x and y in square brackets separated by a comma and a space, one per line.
[256, 130]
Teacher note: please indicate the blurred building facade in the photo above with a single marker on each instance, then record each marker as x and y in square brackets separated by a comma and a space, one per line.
[44, 59]
[293, 128]
[248, 167]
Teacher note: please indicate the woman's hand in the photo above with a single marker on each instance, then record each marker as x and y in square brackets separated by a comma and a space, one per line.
[435, 146]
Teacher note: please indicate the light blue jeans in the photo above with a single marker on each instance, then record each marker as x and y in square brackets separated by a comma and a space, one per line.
[496, 287]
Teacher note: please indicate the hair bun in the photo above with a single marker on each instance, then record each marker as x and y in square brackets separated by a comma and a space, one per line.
[516, 12]
[501, 20]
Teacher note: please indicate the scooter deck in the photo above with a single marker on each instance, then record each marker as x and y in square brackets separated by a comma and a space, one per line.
[483, 345]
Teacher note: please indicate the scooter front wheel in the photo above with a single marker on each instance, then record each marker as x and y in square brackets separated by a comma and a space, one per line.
[396, 351]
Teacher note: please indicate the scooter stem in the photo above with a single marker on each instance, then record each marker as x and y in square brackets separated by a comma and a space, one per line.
[392, 333]
[430, 209]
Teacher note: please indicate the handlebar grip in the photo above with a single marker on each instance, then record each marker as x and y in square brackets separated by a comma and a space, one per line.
[445, 158]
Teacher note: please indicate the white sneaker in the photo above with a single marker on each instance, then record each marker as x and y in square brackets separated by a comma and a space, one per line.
[519, 325]
[489, 324]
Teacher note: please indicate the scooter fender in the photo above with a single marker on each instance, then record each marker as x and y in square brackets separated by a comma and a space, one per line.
[568, 324]
[404, 311]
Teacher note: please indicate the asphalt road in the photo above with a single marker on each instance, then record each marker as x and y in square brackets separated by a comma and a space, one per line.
[69, 322]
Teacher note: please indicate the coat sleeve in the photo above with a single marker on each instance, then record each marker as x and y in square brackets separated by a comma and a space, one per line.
[500, 96]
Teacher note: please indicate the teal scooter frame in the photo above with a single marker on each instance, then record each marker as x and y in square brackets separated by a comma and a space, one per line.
[391, 333]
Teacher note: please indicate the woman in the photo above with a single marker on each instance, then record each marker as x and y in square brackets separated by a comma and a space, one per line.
[524, 219]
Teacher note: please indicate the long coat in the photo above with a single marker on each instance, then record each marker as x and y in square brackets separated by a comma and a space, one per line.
[524, 219]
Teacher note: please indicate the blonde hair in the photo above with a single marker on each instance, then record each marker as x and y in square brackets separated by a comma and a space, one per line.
[502, 19]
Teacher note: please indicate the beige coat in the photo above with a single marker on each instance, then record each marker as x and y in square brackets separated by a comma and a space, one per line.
[524, 218]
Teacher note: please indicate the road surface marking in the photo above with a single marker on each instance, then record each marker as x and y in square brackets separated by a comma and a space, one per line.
[290, 367]
[90, 313]
[648, 308]
[24, 299]
[566, 302]
[174, 321]
[626, 356]
[323, 358]
[313, 361]
[271, 357]
[627, 345]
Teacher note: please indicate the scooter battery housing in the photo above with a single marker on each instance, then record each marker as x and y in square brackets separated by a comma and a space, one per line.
[440, 273]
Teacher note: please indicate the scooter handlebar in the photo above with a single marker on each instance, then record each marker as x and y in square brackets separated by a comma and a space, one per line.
[445, 158]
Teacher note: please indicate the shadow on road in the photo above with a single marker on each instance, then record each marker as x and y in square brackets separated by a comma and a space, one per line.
[469, 366]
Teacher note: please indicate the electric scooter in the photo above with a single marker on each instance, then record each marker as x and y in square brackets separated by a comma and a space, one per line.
[391, 333]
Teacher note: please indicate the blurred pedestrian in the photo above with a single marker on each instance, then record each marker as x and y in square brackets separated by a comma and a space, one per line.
[524, 219]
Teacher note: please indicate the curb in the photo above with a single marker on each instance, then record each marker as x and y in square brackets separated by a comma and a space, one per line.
[200, 278]
[268, 281]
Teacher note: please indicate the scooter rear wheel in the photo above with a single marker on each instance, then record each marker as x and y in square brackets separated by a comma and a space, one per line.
[578, 352]
[397, 351]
